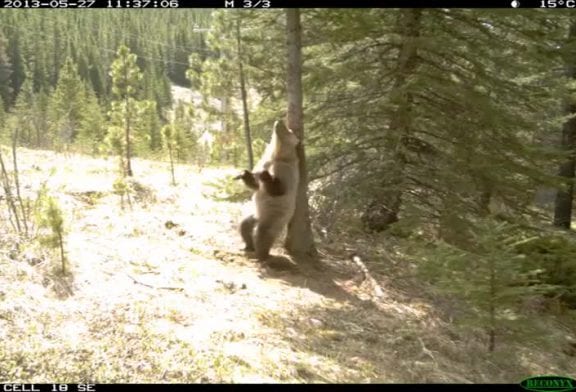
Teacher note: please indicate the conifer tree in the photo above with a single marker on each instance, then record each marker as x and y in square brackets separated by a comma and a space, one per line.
[68, 104]
[5, 74]
[168, 135]
[51, 218]
[92, 130]
[126, 78]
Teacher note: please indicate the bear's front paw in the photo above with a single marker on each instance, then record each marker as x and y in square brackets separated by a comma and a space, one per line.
[265, 176]
[245, 174]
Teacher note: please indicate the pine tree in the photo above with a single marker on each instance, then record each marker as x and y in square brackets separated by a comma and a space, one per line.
[169, 138]
[50, 217]
[148, 125]
[5, 74]
[30, 116]
[126, 78]
[490, 276]
[404, 130]
[384, 209]
[185, 138]
[92, 130]
[217, 78]
[18, 73]
[97, 77]
[68, 103]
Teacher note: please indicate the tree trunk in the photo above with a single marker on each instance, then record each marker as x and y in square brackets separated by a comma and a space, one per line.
[565, 196]
[62, 254]
[383, 210]
[225, 137]
[492, 307]
[12, 209]
[128, 149]
[299, 240]
[128, 115]
[171, 163]
[17, 182]
[247, 132]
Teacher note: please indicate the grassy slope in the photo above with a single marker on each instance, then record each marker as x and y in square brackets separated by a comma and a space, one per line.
[149, 303]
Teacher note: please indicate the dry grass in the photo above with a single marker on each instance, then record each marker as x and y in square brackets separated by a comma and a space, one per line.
[155, 302]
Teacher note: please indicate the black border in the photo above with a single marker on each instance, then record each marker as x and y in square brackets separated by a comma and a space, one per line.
[263, 4]
[6, 387]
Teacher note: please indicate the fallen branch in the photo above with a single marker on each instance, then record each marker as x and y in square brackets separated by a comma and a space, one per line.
[155, 287]
[377, 290]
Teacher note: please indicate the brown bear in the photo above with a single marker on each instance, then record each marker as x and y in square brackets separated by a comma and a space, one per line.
[275, 181]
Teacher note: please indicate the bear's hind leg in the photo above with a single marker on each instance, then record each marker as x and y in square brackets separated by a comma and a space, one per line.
[247, 232]
[264, 238]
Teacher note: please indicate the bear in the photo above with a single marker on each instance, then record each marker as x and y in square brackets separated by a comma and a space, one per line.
[275, 183]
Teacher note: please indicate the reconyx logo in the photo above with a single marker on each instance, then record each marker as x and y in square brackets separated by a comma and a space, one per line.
[549, 384]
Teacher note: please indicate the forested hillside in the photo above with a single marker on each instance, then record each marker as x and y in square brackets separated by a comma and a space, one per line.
[56, 68]
[433, 234]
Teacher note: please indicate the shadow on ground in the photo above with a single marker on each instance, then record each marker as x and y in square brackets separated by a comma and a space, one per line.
[388, 339]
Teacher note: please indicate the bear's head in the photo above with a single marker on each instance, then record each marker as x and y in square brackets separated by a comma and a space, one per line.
[284, 142]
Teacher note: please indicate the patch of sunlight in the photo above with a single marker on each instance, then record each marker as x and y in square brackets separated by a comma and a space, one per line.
[251, 353]
[403, 310]
[131, 329]
[162, 326]
[252, 378]
[210, 328]
[3, 330]
[74, 332]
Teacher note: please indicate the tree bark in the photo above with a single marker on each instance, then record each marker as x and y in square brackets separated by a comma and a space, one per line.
[128, 118]
[171, 163]
[247, 132]
[299, 239]
[24, 215]
[12, 209]
[565, 196]
[383, 210]
[62, 254]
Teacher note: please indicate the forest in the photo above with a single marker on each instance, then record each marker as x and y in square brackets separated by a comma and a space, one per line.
[432, 239]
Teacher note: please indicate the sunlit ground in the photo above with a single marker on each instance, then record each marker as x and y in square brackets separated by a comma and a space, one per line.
[160, 292]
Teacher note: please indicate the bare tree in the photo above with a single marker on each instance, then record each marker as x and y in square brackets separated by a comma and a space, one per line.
[247, 132]
[299, 240]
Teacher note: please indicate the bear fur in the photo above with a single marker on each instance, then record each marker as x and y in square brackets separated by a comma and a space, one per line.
[275, 182]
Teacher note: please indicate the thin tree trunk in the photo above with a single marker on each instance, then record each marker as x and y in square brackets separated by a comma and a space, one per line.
[13, 210]
[38, 138]
[128, 153]
[225, 137]
[171, 163]
[299, 240]
[567, 169]
[385, 207]
[492, 308]
[62, 255]
[17, 182]
[247, 132]
[128, 118]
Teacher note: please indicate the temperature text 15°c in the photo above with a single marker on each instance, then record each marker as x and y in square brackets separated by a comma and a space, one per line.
[557, 3]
